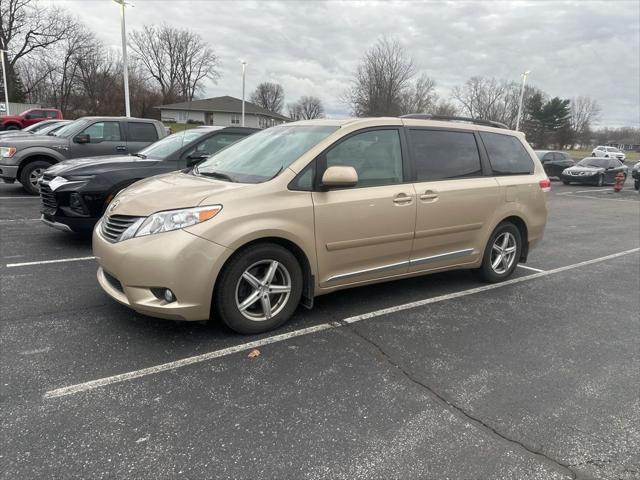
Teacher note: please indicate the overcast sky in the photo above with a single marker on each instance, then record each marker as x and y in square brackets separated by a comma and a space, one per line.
[312, 47]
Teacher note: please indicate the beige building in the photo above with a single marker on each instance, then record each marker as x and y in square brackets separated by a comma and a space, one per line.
[220, 111]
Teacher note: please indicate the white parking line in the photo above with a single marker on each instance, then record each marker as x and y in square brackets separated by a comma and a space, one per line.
[20, 220]
[585, 191]
[101, 382]
[530, 268]
[602, 198]
[43, 262]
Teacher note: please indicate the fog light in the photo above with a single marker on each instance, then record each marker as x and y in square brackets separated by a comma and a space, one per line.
[169, 296]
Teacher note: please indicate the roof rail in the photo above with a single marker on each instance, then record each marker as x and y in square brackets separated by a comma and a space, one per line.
[477, 121]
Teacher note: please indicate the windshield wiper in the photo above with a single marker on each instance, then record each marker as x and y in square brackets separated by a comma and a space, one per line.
[140, 155]
[219, 175]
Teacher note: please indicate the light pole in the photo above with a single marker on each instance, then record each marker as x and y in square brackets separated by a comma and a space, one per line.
[3, 54]
[524, 79]
[125, 65]
[244, 68]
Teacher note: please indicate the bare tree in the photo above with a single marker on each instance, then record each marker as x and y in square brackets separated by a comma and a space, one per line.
[177, 60]
[420, 97]
[381, 81]
[584, 111]
[306, 108]
[269, 96]
[25, 28]
[446, 108]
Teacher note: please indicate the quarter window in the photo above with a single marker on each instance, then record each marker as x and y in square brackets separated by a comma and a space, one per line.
[376, 156]
[439, 154]
[103, 132]
[507, 155]
[142, 132]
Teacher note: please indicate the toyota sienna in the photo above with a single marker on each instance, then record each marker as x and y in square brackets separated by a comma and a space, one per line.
[307, 208]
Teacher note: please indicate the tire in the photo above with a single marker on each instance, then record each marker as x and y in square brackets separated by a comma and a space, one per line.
[566, 182]
[636, 184]
[12, 127]
[503, 270]
[30, 174]
[235, 288]
[600, 181]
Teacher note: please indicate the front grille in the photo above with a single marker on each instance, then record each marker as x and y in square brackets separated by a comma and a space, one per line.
[114, 226]
[49, 202]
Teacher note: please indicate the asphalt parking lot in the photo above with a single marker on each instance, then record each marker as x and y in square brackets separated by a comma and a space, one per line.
[436, 377]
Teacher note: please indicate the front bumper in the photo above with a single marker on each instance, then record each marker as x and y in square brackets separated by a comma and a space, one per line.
[178, 260]
[590, 179]
[9, 172]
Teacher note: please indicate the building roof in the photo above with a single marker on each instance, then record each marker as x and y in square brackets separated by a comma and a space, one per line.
[222, 104]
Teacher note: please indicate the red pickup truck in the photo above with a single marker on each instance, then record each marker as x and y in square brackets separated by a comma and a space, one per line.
[28, 117]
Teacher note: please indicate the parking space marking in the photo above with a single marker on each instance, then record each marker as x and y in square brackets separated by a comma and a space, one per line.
[101, 382]
[585, 191]
[20, 220]
[530, 268]
[43, 262]
[602, 198]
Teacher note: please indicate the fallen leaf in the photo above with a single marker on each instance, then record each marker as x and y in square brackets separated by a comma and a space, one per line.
[254, 353]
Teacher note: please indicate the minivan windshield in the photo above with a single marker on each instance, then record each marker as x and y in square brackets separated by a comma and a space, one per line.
[171, 144]
[263, 155]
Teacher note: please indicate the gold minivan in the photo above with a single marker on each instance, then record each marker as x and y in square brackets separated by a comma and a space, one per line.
[310, 207]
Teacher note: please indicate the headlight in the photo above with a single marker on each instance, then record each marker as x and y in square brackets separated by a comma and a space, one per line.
[7, 152]
[176, 219]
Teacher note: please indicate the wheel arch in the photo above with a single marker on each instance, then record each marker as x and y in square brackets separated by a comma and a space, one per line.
[35, 158]
[296, 250]
[522, 227]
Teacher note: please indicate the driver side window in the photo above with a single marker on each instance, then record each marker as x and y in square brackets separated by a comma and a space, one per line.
[103, 132]
[376, 156]
[212, 144]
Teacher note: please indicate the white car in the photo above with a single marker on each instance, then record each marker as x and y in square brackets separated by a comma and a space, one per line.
[608, 152]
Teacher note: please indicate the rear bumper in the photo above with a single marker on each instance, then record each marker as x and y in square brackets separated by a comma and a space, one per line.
[180, 261]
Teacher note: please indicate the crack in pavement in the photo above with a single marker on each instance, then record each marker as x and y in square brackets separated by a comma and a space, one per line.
[459, 411]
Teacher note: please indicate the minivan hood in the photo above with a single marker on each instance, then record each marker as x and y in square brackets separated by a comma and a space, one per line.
[97, 165]
[167, 192]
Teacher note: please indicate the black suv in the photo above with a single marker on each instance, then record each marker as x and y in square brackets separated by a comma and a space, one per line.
[75, 193]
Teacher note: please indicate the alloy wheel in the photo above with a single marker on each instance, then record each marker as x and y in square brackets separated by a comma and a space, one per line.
[263, 290]
[34, 176]
[503, 252]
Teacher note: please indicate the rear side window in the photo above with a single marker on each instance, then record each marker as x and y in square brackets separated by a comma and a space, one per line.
[142, 132]
[506, 154]
[50, 114]
[439, 154]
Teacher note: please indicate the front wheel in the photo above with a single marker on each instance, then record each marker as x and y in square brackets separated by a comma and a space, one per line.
[636, 184]
[566, 182]
[600, 180]
[30, 175]
[259, 289]
[501, 253]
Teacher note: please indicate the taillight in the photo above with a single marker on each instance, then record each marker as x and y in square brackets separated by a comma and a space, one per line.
[545, 185]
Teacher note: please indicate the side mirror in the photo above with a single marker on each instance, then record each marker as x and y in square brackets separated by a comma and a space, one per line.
[339, 177]
[196, 157]
[82, 138]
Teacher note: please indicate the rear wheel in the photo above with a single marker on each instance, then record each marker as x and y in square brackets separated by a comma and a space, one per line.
[12, 127]
[259, 289]
[30, 175]
[501, 253]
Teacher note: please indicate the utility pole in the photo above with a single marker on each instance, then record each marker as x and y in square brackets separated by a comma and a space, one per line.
[125, 65]
[3, 55]
[244, 67]
[524, 79]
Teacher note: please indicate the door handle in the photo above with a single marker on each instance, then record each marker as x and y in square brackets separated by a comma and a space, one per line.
[121, 148]
[402, 199]
[429, 195]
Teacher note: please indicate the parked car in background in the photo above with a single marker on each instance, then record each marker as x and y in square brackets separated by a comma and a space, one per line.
[75, 193]
[608, 152]
[35, 128]
[26, 158]
[635, 173]
[554, 162]
[306, 208]
[28, 117]
[595, 171]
